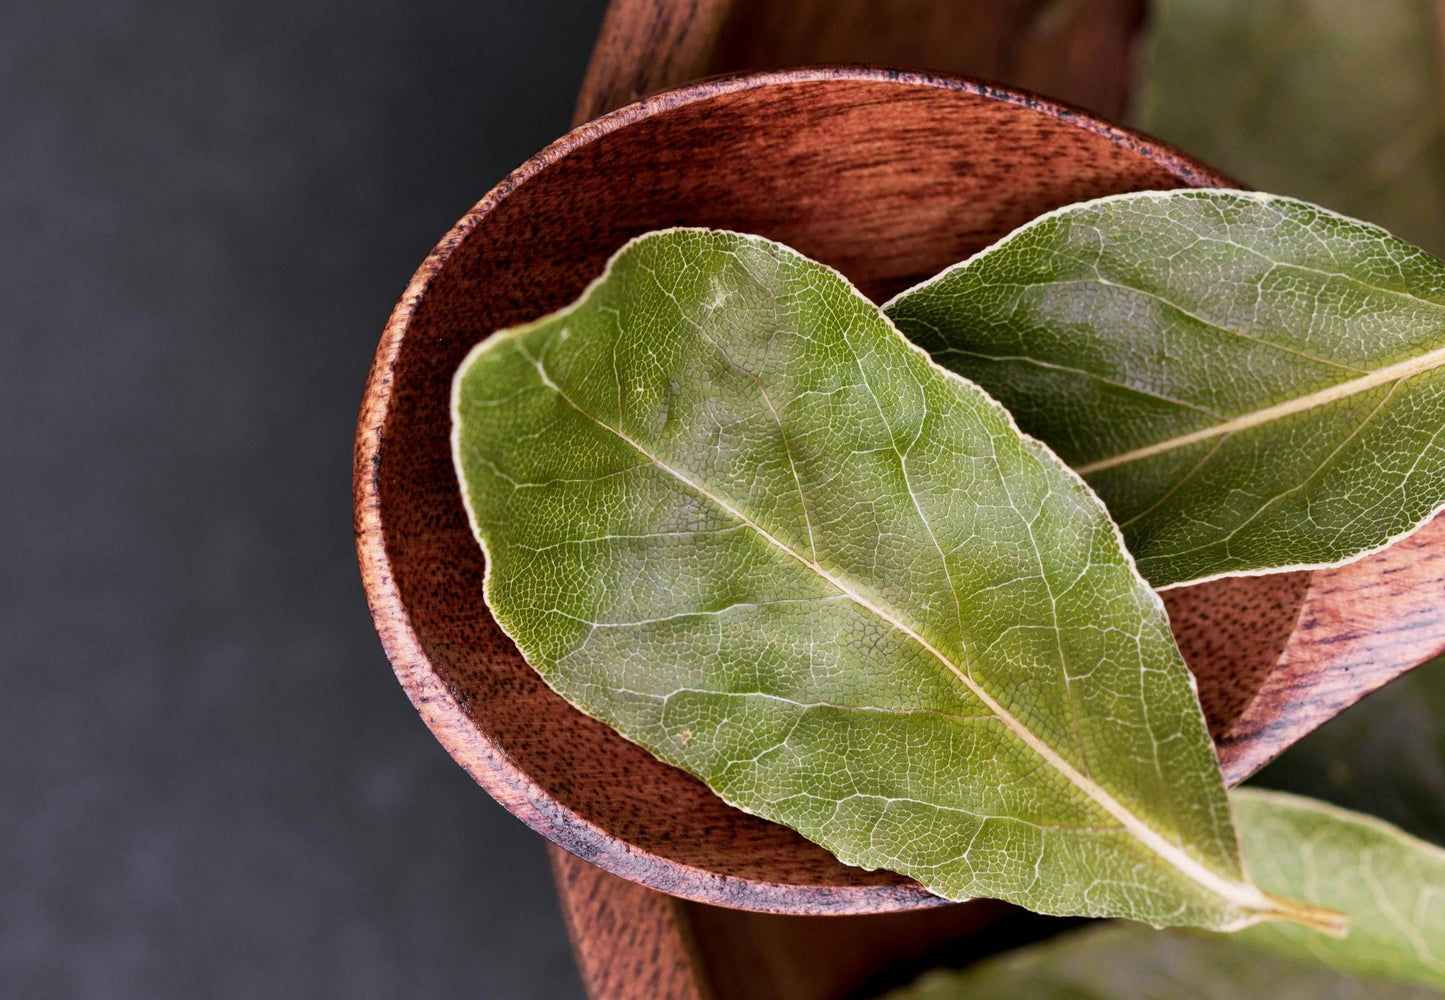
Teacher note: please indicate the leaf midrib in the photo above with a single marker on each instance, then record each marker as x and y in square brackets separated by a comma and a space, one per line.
[1245, 895]
[1397, 372]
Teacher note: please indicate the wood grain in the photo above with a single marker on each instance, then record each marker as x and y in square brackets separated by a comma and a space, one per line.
[1361, 625]
[1080, 51]
[630, 943]
[888, 177]
[633, 943]
[1232, 632]
[645, 46]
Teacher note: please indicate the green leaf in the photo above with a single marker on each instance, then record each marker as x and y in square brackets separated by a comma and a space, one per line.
[1338, 102]
[1128, 962]
[1391, 885]
[1334, 101]
[1251, 383]
[733, 513]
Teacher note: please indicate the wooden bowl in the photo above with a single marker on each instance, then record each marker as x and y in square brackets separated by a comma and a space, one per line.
[887, 176]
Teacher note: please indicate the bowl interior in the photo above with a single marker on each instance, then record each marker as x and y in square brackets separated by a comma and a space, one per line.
[887, 177]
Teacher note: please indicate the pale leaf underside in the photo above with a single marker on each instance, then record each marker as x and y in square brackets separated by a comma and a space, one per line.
[1251, 383]
[1127, 962]
[1392, 885]
[730, 511]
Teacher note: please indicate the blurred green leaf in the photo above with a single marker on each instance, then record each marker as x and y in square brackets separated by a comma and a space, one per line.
[1129, 962]
[1335, 101]
[1392, 885]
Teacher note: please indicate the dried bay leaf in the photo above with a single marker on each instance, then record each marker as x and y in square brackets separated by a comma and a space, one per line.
[1251, 383]
[728, 510]
[1128, 962]
[1339, 103]
[1392, 886]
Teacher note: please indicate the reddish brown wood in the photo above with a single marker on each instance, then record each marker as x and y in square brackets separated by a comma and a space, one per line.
[630, 943]
[645, 46]
[770, 956]
[888, 177]
[633, 943]
[1080, 52]
[1232, 632]
[1361, 626]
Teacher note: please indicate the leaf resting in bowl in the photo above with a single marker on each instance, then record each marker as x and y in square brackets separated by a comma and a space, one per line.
[730, 511]
[1251, 383]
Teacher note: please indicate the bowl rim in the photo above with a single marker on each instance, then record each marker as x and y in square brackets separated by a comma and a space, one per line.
[488, 764]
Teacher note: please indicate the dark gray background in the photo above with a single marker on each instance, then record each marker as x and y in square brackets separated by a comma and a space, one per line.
[212, 785]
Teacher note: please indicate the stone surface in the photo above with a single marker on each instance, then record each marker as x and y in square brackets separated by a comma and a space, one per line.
[212, 784]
